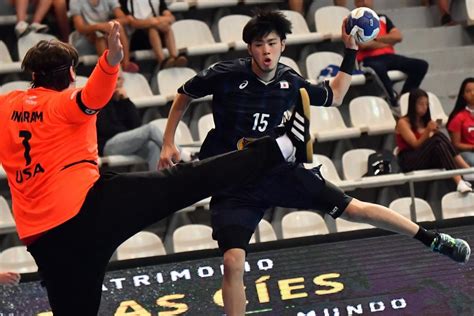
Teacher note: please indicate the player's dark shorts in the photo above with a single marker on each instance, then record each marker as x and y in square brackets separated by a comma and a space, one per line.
[236, 214]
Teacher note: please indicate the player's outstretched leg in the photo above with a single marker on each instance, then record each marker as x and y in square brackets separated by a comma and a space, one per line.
[385, 218]
[455, 248]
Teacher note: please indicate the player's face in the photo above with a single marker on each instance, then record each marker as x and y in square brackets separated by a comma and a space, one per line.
[266, 53]
[469, 93]
[422, 106]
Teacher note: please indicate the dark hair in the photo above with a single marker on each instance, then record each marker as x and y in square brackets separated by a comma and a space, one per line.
[263, 23]
[415, 94]
[460, 101]
[50, 62]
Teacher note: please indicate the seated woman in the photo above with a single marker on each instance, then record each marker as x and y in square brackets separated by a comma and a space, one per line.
[421, 144]
[461, 121]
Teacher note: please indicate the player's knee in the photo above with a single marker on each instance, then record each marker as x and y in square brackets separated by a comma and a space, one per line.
[234, 261]
[356, 210]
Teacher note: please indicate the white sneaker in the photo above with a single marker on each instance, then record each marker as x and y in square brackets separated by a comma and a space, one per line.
[39, 28]
[463, 187]
[21, 28]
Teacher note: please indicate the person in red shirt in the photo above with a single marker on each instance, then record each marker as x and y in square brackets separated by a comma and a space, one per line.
[379, 55]
[422, 146]
[461, 121]
[72, 218]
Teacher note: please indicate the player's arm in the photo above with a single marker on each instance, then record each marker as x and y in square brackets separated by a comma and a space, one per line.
[102, 82]
[342, 81]
[169, 152]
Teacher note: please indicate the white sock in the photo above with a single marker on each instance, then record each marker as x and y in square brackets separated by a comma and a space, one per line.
[286, 146]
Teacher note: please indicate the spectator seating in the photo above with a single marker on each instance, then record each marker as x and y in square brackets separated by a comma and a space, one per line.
[302, 223]
[7, 223]
[14, 85]
[327, 125]
[290, 63]
[342, 225]
[372, 115]
[183, 135]
[354, 163]
[300, 33]
[30, 40]
[17, 259]
[229, 28]
[455, 204]
[318, 61]
[7, 65]
[193, 37]
[328, 20]
[142, 244]
[169, 80]
[327, 168]
[193, 237]
[422, 209]
[139, 91]
[205, 124]
[205, 4]
[265, 233]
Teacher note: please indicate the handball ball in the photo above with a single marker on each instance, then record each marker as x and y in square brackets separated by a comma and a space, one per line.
[363, 24]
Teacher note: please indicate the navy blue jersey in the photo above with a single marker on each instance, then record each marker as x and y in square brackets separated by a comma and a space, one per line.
[245, 106]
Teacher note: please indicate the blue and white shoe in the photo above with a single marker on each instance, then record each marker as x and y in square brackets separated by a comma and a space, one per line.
[455, 248]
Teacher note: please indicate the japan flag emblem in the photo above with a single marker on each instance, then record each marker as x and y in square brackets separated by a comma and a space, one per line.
[284, 85]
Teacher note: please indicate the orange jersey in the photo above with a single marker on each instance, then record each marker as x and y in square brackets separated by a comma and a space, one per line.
[49, 149]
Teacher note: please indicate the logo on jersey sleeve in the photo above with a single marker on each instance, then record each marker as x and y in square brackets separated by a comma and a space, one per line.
[284, 84]
[243, 84]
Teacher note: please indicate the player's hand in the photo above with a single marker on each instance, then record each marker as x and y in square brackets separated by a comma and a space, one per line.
[9, 278]
[115, 55]
[432, 126]
[348, 39]
[169, 156]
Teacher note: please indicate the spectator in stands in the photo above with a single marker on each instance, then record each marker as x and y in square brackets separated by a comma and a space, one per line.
[420, 143]
[22, 27]
[444, 7]
[9, 278]
[155, 18]
[301, 6]
[90, 18]
[461, 121]
[119, 131]
[60, 12]
[380, 56]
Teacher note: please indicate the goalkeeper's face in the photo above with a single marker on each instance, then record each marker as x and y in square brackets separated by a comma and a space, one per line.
[266, 52]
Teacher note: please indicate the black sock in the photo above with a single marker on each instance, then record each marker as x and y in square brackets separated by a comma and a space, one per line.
[425, 236]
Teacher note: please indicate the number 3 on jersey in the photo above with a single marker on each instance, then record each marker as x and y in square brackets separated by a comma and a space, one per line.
[260, 121]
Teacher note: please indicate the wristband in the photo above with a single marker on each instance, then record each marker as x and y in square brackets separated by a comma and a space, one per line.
[348, 63]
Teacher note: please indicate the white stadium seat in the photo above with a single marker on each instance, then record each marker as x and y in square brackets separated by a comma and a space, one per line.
[142, 244]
